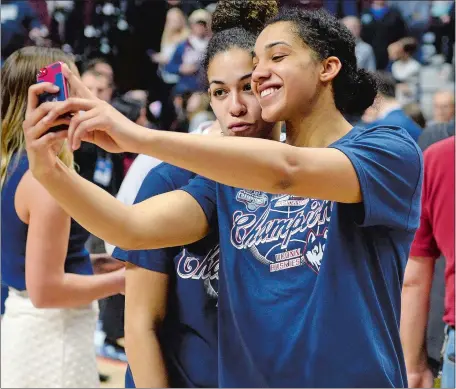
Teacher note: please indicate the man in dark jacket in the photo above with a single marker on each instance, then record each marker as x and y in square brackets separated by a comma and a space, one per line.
[381, 26]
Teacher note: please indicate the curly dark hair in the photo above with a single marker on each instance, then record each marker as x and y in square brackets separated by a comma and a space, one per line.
[354, 89]
[236, 23]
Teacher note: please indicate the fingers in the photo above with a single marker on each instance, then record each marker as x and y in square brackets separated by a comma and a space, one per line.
[35, 132]
[51, 111]
[71, 105]
[48, 140]
[35, 91]
[76, 85]
[83, 130]
[76, 122]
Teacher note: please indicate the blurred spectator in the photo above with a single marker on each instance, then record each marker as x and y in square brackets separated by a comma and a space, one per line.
[416, 15]
[187, 57]
[442, 25]
[413, 111]
[443, 103]
[442, 124]
[434, 237]
[405, 69]
[198, 110]
[98, 84]
[95, 164]
[381, 26]
[189, 6]
[435, 132]
[387, 110]
[101, 66]
[341, 8]
[175, 32]
[20, 25]
[364, 53]
[135, 110]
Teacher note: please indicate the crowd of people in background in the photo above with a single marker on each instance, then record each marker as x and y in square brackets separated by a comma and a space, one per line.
[145, 59]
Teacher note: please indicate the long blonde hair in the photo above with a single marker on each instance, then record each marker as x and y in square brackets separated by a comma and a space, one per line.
[169, 36]
[18, 74]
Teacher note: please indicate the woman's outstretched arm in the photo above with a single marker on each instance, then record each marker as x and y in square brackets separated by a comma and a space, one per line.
[249, 163]
[171, 219]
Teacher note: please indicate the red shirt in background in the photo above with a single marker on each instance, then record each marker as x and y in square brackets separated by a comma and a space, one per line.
[436, 234]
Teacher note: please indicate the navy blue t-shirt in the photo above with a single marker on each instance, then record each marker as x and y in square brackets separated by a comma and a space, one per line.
[189, 337]
[310, 290]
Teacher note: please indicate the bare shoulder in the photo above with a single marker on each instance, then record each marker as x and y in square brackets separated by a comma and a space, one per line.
[32, 197]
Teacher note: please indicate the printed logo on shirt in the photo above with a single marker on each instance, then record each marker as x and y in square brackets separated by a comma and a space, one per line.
[291, 232]
[201, 268]
[252, 199]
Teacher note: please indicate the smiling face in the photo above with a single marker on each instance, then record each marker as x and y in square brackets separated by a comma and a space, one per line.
[232, 99]
[286, 73]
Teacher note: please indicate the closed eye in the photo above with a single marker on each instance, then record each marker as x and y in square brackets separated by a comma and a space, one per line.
[277, 58]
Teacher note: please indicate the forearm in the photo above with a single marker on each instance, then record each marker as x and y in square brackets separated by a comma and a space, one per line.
[145, 358]
[75, 290]
[414, 317]
[92, 207]
[240, 162]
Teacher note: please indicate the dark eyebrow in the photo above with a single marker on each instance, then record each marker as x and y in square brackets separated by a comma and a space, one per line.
[271, 45]
[245, 76]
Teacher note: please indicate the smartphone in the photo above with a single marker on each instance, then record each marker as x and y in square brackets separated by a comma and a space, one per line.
[53, 74]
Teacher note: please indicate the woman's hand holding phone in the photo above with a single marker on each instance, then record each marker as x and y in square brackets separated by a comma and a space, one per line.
[94, 121]
[42, 146]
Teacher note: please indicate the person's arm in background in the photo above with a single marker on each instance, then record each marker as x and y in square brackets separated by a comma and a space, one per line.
[175, 62]
[416, 295]
[414, 318]
[145, 309]
[47, 241]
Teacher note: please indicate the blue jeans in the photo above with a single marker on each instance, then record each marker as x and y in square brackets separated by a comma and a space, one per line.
[448, 359]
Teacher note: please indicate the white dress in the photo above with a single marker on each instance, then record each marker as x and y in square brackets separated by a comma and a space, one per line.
[47, 348]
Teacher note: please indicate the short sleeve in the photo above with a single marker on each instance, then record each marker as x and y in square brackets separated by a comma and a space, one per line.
[389, 166]
[424, 244]
[158, 260]
[204, 191]
[161, 179]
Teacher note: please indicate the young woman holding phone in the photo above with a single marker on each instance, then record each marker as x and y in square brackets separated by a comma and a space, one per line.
[314, 234]
[51, 310]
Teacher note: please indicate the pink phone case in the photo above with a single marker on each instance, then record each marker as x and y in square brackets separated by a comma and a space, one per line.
[53, 74]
